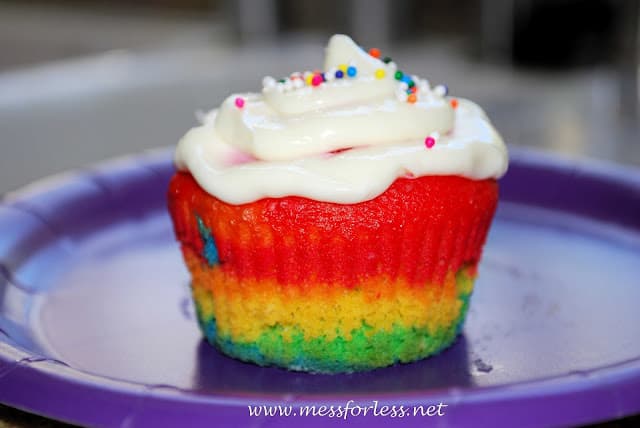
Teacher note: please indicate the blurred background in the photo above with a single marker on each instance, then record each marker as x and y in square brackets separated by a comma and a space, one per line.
[85, 80]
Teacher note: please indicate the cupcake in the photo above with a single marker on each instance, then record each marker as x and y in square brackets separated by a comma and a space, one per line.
[335, 221]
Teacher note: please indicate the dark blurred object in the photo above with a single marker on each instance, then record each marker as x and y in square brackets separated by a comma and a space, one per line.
[156, 5]
[552, 33]
[628, 61]
[368, 21]
[564, 34]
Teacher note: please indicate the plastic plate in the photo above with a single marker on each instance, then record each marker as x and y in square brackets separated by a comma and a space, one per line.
[97, 327]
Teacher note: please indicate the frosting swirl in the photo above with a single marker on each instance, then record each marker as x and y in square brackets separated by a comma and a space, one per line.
[342, 140]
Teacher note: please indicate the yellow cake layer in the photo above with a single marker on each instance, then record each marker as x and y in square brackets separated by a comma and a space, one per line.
[244, 309]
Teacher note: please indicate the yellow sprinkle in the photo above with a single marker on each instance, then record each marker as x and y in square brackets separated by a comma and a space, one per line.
[343, 67]
[308, 79]
[379, 73]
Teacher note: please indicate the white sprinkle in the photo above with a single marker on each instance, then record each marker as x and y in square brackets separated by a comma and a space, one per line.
[440, 90]
[268, 82]
[288, 85]
[401, 95]
[298, 83]
[330, 75]
[403, 85]
[279, 87]
[392, 65]
[424, 85]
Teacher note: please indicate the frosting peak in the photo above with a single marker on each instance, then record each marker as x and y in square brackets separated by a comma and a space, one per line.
[291, 138]
[336, 114]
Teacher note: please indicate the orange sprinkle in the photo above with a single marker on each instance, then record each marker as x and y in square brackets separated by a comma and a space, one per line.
[374, 52]
[454, 103]
[412, 98]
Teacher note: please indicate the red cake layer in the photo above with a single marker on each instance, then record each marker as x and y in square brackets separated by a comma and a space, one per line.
[418, 229]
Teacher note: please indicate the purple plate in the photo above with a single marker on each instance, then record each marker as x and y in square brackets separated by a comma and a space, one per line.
[96, 325]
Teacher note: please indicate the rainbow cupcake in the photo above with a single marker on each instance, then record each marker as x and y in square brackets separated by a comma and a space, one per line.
[335, 222]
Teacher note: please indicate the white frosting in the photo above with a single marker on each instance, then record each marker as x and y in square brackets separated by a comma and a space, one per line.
[282, 142]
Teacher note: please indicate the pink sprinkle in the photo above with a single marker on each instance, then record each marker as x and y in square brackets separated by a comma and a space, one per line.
[239, 102]
[316, 80]
[429, 142]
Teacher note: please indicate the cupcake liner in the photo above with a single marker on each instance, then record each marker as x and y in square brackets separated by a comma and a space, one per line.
[298, 283]
[419, 229]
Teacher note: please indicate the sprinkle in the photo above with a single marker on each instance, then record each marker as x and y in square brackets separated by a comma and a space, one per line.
[281, 81]
[268, 82]
[298, 83]
[413, 89]
[316, 80]
[374, 52]
[441, 90]
[429, 142]
[404, 86]
[308, 78]
[406, 79]
[398, 75]
[379, 73]
[412, 83]
[387, 59]
[330, 75]
[412, 98]
[352, 71]
[339, 74]
[343, 68]
[454, 103]
[288, 85]
[424, 85]
[392, 66]
[239, 102]
[401, 95]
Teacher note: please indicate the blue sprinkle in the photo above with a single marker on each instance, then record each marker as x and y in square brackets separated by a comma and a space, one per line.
[406, 79]
[351, 71]
[339, 74]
